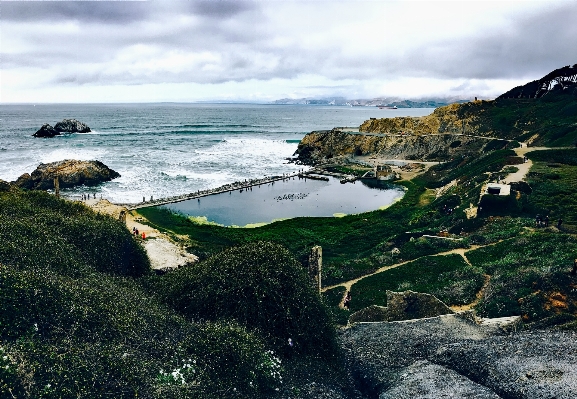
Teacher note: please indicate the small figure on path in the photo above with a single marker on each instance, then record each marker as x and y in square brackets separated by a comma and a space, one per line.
[347, 301]
[559, 223]
[546, 221]
[574, 271]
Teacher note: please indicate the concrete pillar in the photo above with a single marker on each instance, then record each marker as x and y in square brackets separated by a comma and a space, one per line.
[315, 266]
[56, 186]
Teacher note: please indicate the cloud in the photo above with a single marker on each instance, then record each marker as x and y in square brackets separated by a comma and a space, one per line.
[312, 45]
[83, 11]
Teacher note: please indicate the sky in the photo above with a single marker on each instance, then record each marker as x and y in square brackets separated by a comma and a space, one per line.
[260, 51]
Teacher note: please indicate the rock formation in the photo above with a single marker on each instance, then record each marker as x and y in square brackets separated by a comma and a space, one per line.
[71, 173]
[46, 131]
[71, 126]
[405, 305]
[448, 356]
[66, 126]
[5, 186]
[328, 145]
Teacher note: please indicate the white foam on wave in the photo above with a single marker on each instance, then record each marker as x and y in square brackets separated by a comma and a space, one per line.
[60, 154]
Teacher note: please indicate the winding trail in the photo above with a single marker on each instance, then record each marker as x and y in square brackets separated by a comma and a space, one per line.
[460, 251]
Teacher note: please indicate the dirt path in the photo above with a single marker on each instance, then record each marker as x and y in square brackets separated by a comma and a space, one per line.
[162, 251]
[348, 284]
[524, 168]
[460, 251]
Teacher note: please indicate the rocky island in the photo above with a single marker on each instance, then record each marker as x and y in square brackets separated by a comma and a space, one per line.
[65, 126]
[71, 173]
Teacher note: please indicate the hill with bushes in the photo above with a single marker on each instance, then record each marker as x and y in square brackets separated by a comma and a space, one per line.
[81, 315]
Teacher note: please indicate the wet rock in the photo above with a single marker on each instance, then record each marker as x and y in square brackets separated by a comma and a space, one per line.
[71, 126]
[71, 173]
[66, 126]
[46, 131]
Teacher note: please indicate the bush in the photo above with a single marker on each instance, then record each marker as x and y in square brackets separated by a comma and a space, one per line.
[41, 231]
[261, 286]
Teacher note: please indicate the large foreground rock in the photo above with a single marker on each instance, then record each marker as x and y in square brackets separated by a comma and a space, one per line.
[66, 126]
[451, 356]
[71, 173]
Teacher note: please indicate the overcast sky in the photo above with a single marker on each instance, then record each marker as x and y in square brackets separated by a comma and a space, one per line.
[134, 51]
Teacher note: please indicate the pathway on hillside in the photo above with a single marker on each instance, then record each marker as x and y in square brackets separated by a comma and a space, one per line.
[161, 250]
[460, 251]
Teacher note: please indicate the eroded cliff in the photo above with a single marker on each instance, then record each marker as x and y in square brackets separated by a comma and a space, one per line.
[329, 145]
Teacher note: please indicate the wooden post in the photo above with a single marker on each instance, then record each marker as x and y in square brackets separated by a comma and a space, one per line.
[56, 186]
[315, 266]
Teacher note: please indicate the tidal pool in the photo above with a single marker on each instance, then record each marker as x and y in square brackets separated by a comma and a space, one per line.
[288, 199]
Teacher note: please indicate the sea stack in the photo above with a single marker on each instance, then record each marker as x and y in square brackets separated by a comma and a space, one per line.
[65, 126]
[71, 173]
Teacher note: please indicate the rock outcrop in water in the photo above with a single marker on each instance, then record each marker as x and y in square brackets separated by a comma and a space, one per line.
[65, 126]
[46, 131]
[71, 173]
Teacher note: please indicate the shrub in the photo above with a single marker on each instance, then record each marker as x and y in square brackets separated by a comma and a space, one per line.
[261, 286]
[41, 231]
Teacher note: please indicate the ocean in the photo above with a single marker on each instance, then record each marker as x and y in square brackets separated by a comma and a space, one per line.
[167, 149]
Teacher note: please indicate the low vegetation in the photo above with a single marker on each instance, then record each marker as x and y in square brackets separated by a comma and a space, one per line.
[78, 317]
[448, 277]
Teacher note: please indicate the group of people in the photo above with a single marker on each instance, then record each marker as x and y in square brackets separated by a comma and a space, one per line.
[544, 221]
[138, 234]
[86, 197]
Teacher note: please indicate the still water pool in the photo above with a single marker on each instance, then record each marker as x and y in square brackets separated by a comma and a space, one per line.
[288, 199]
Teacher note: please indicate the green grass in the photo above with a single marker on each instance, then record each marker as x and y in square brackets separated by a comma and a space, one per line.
[553, 179]
[553, 117]
[524, 271]
[449, 278]
[332, 298]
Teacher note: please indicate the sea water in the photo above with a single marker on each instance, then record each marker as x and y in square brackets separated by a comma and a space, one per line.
[164, 150]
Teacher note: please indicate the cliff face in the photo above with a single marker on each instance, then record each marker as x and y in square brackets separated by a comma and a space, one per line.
[320, 146]
[448, 119]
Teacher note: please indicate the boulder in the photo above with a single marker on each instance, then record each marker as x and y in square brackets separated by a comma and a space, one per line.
[46, 131]
[414, 305]
[406, 305]
[71, 126]
[369, 314]
[71, 173]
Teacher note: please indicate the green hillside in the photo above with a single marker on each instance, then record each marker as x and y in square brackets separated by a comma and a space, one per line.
[81, 316]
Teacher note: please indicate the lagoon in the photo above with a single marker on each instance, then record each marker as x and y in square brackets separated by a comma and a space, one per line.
[290, 198]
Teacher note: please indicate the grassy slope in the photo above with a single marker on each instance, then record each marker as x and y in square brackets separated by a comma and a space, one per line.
[77, 318]
[553, 117]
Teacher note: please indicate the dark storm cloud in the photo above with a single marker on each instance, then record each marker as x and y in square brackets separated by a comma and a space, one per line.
[84, 11]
